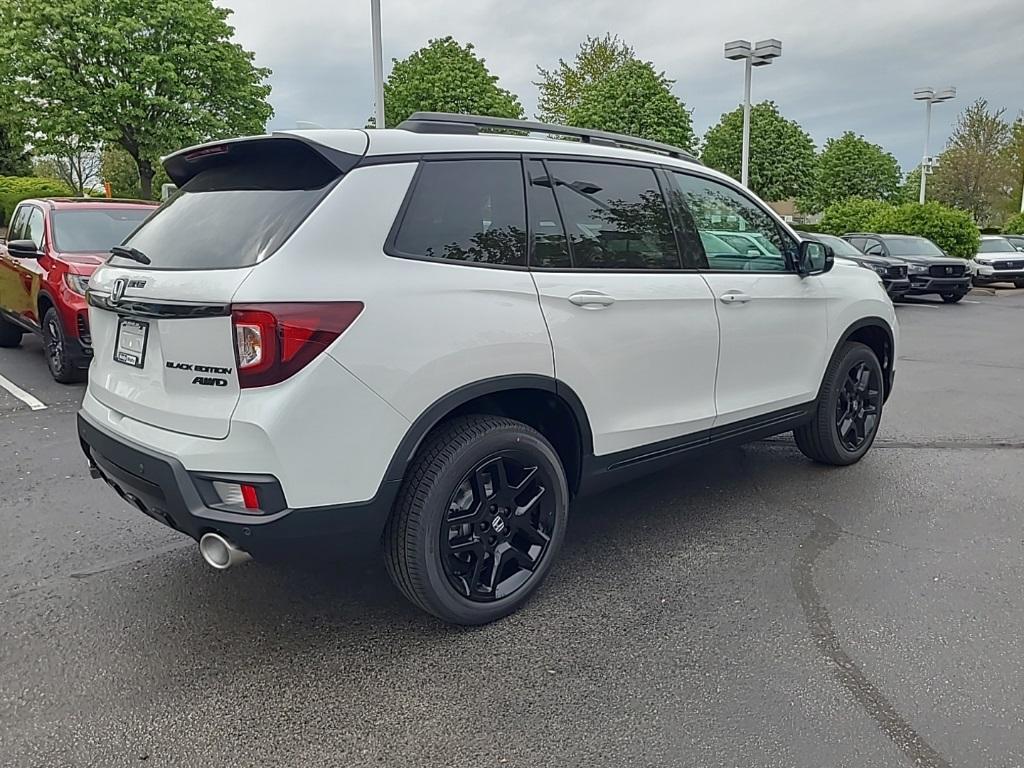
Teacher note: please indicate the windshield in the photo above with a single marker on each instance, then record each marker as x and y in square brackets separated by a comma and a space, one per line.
[839, 246]
[95, 230]
[912, 246]
[996, 245]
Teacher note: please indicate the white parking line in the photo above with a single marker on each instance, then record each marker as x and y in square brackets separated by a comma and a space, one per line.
[32, 402]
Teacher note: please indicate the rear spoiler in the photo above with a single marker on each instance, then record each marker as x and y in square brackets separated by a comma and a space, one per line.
[184, 165]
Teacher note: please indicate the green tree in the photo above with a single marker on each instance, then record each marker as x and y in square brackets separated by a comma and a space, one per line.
[910, 189]
[119, 170]
[636, 100]
[78, 166]
[151, 76]
[445, 77]
[1015, 162]
[974, 172]
[851, 166]
[14, 158]
[782, 154]
[561, 88]
[952, 229]
[1014, 225]
[852, 215]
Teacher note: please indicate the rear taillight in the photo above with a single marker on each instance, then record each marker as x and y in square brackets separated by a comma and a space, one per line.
[275, 341]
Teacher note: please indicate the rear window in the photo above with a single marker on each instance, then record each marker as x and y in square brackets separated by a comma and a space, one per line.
[92, 230]
[243, 204]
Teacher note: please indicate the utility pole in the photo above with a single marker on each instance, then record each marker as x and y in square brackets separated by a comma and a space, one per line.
[378, 62]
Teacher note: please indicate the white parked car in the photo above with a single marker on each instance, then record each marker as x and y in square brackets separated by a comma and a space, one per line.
[998, 261]
[434, 340]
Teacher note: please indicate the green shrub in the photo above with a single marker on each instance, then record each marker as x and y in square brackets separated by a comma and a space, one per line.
[14, 189]
[851, 215]
[1015, 226]
[953, 230]
[812, 228]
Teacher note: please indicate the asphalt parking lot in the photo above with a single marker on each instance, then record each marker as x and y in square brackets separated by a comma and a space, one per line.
[747, 609]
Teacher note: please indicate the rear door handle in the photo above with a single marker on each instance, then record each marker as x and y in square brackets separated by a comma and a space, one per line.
[591, 300]
[734, 297]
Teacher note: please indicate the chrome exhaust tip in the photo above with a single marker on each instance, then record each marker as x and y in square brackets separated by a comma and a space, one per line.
[219, 553]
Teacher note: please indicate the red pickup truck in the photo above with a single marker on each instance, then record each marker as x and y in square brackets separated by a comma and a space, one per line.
[52, 247]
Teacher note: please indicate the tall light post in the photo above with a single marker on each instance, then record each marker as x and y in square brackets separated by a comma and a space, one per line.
[758, 55]
[378, 62]
[930, 96]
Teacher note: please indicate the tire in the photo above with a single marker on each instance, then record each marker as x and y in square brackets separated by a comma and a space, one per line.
[446, 567]
[952, 298]
[10, 334]
[1018, 283]
[820, 439]
[58, 354]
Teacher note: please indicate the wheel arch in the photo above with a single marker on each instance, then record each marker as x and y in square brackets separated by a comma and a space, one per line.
[542, 402]
[876, 333]
[44, 301]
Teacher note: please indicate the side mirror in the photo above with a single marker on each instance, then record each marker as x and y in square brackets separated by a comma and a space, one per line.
[814, 258]
[23, 249]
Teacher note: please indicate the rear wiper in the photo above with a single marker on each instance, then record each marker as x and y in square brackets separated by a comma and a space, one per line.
[130, 253]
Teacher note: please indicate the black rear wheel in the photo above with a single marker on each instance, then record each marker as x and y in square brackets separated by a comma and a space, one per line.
[952, 298]
[1018, 283]
[479, 521]
[849, 409]
[10, 334]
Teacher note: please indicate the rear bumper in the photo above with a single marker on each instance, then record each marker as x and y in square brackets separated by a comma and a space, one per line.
[159, 486]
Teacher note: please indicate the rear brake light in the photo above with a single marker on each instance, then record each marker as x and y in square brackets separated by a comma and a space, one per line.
[275, 341]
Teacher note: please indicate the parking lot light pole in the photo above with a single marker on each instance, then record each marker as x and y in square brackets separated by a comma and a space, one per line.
[929, 96]
[758, 55]
[378, 62]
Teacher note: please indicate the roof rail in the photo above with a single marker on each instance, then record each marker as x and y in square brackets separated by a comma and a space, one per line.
[447, 122]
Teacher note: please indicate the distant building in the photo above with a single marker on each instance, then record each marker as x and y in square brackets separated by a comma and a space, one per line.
[789, 212]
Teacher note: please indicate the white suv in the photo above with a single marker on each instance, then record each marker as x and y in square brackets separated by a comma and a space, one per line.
[437, 339]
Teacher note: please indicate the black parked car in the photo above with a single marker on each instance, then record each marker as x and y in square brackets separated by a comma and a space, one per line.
[892, 271]
[929, 268]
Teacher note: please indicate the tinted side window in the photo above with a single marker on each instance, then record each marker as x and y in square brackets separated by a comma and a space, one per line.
[873, 247]
[34, 227]
[737, 234]
[550, 247]
[615, 216]
[17, 228]
[466, 210]
[856, 242]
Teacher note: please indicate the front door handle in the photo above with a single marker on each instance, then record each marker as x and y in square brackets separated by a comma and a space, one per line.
[734, 297]
[591, 300]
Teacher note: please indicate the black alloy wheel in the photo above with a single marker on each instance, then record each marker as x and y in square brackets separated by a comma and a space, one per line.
[858, 406]
[58, 354]
[479, 519]
[952, 298]
[849, 408]
[498, 526]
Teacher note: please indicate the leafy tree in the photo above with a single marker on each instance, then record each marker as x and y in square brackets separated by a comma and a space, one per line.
[851, 166]
[1015, 161]
[148, 75]
[782, 155]
[119, 170]
[973, 171]
[636, 100]
[910, 190]
[14, 158]
[445, 77]
[561, 88]
[953, 230]
[852, 215]
[1015, 225]
[78, 166]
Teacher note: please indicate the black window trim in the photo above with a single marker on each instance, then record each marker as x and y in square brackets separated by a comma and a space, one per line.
[19, 208]
[775, 218]
[421, 160]
[31, 208]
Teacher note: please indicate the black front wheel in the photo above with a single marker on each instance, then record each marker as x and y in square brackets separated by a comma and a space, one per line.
[58, 351]
[479, 520]
[952, 298]
[849, 409]
[10, 334]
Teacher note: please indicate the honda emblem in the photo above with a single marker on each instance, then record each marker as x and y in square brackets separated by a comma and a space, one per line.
[949, 270]
[117, 291]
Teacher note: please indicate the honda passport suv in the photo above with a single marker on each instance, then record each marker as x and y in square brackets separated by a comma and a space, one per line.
[930, 270]
[434, 340]
[52, 247]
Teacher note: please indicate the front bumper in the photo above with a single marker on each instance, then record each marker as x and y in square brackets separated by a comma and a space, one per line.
[896, 287]
[160, 486]
[922, 284]
[990, 275]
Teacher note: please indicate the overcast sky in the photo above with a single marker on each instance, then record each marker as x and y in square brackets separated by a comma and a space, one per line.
[846, 64]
